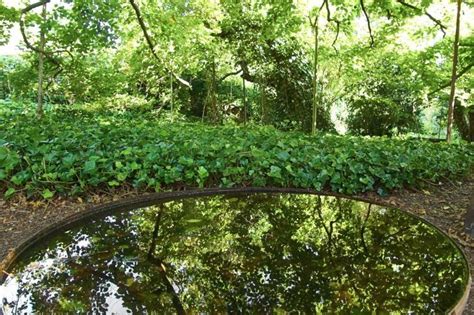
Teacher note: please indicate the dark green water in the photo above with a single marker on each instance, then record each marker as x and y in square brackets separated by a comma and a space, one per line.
[259, 253]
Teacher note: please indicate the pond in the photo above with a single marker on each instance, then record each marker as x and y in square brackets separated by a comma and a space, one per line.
[256, 253]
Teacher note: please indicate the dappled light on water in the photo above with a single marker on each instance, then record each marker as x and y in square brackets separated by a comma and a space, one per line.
[258, 253]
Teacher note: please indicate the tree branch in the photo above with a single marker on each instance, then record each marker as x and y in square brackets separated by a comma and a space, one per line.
[313, 23]
[28, 44]
[245, 71]
[338, 24]
[144, 29]
[34, 6]
[230, 74]
[368, 23]
[328, 14]
[55, 75]
[460, 74]
[432, 18]
[151, 46]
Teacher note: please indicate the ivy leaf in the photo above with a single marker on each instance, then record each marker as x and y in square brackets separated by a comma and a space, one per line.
[275, 172]
[10, 191]
[202, 172]
[47, 194]
[89, 166]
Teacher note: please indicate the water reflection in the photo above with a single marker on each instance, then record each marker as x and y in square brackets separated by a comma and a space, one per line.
[255, 254]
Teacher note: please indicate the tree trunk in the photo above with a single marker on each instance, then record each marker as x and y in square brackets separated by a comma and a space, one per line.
[244, 99]
[39, 108]
[172, 97]
[315, 76]
[470, 118]
[460, 120]
[203, 111]
[262, 103]
[453, 74]
[215, 110]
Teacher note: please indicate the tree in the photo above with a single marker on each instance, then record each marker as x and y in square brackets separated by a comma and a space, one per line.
[90, 25]
[41, 56]
[452, 94]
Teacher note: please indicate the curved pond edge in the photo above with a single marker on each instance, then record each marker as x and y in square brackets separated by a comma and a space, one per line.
[131, 203]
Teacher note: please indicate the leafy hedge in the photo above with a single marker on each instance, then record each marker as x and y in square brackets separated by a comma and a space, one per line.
[72, 151]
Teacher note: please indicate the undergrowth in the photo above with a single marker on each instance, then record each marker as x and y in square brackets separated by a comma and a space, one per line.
[73, 151]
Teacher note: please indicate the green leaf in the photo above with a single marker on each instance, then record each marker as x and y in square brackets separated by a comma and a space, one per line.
[47, 194]
[275, 172]
[283, 155]
[202, 172]
[121, 176]
[89, 167]
[10, 191]
[126, 152]
[113, 183]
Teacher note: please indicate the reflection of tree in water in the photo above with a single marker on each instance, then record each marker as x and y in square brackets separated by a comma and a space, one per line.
[257, 253]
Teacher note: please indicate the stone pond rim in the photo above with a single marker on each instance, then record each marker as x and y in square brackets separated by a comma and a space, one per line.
[131, 203]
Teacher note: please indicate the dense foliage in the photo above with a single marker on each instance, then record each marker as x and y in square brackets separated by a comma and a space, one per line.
[115, 146]
[364, 62]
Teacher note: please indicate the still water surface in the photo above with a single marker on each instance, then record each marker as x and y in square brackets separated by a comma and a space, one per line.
[258, 253]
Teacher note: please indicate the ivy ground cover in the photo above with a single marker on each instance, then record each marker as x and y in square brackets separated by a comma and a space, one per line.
[78, 150]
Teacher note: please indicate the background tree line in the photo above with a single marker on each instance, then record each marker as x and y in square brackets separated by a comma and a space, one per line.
[366, 67]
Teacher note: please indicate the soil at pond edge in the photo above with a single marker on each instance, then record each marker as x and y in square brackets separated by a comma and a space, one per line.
[445, 205]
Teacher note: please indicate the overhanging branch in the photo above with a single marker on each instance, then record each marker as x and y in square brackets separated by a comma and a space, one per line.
[225, 76]
[150, 44]
[431, 17]
[330, 19]
[460, 74]
[245, 71]
[34, 6]
[28, 44]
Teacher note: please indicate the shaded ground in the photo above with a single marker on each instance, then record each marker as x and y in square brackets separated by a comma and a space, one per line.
[446, 206]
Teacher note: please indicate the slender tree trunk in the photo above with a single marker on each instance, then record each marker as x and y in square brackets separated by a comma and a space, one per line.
[39, 107]
[452, 94]
[262, 102]
[245, 100]
[315, 76]
[470, 116]
[203, 111]
[9, 85]
[214, 91]
[211, 99]
[172, 97]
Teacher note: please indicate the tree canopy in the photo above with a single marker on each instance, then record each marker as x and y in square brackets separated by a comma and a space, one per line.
[364, 61]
